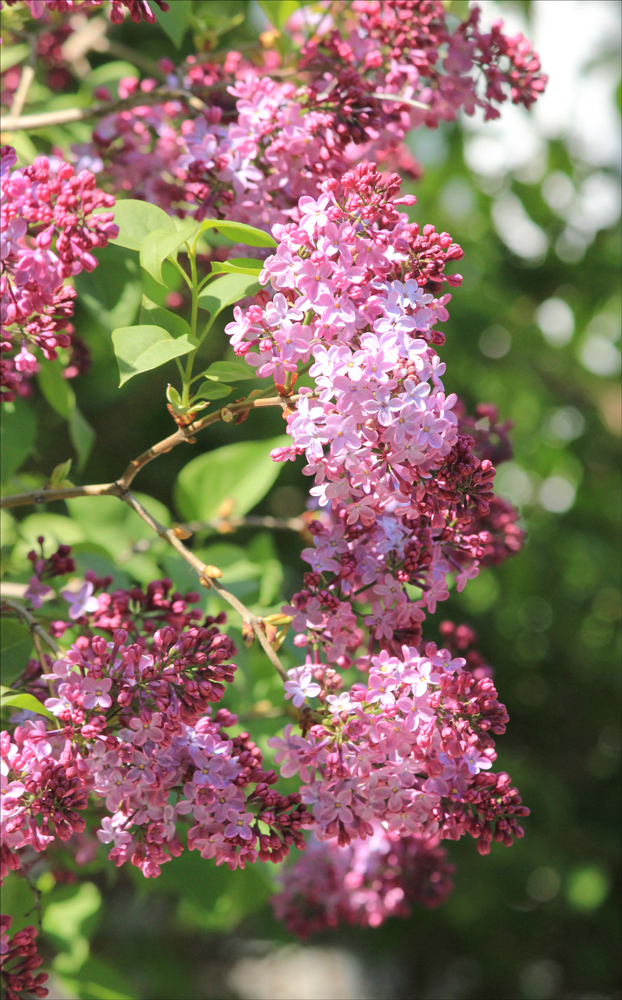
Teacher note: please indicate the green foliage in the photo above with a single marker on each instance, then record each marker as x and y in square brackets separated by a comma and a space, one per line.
[18, 431]
[278, 12]
[16, 647]
[224, 291]
[231, 371]
[56, 389]
[239, 232]
[237, 476]
[154, 315]
[161, 243]
[13, 699]
[136, 220]
[142, 348]
[238, 265]
[175, 21]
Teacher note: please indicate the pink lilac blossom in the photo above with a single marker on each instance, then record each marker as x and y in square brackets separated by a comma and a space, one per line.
[363, 884]
[407, 748]
[49, 233]
[135, 728]
[262, 143]
[399, 484]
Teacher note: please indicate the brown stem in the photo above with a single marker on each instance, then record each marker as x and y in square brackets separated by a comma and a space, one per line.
[187, 433]
[19, 100]
[44, 495]
[32, 624]
[12, 123]
[38, 634]
[207, 579]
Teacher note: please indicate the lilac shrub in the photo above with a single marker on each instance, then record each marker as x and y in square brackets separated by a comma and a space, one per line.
[121, 718]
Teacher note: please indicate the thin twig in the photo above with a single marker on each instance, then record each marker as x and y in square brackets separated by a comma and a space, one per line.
[41, 658]
[225, 413]
[25, 80]
[399, 99]
[64, 116]
[226, 524]
[33, 624]
[44, 495]
[38, 634]
[207, 579]
[187, 433]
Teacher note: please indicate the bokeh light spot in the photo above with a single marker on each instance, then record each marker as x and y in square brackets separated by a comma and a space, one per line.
[543, 884]
[587, 888]
[556, 321]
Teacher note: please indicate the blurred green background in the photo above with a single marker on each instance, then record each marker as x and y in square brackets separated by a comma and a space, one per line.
[534, 201]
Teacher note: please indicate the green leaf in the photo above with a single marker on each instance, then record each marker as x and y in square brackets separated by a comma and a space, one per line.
[142, 348]
[56, 388]
[230, 371]
[18, 430]
[242, 473]
[279, 12]
[160, 244]
[136, 219]
[176, 20]
[12, 55]
[82, 437]
[70, 919]
[154, 315]
[17, 647]
[13, 699]
[60, 474]
[95, 980]
[108, 523]
[112, 292]
[238, 232]
[238, 265]
[212, 390]
[225, 291]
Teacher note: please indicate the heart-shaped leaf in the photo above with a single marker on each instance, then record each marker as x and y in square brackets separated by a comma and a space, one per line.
[161, 243]
[239, 232]
[153, 315]
[136, 219]
[224, 291]
[142, 348]
[212, 390]
[241, 473]
[230, 371]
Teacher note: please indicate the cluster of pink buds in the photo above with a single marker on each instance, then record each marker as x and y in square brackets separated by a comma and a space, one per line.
[406, 48]
[18, 961]
[363, 884]
[136, 730]
[139, 9]
[49, 233]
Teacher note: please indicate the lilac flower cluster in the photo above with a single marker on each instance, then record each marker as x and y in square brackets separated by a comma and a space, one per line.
[49, 233]
[381, 437]
[136, 730]
[406, 749]
[138, 9]
[262, 143]
[362, 884]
